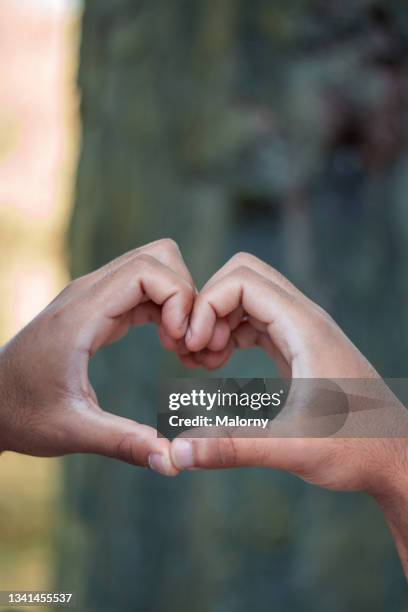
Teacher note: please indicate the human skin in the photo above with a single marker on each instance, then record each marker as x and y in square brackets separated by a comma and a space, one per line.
[262, 308]
[49, 408]
[47, 404]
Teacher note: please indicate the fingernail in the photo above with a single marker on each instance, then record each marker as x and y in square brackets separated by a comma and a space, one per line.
[158, 464]
[182, 452]
[189, 334]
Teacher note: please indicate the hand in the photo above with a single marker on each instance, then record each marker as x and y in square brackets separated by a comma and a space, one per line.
[47, 404]
[262, 308]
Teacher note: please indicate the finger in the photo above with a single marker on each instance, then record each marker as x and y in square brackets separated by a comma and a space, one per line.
[280, 453]
[151, 313]
[250, 261]
[176, 346]
[264, 269]
[186, 357]
[181, 348]
[220, 337]
[167, 342]
[168, 253]
[145, 313]
[213, 360]
[106, 434]
[284, 367]
[124, 289]
[236, 317]
[189, 361]
[165, 250]
[245, 336]
[261, 298]
[251, 334]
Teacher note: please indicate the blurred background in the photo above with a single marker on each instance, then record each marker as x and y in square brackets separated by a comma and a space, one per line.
[279, 128]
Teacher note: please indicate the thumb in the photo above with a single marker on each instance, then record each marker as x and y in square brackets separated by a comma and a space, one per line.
[231, 452]
[106, 434]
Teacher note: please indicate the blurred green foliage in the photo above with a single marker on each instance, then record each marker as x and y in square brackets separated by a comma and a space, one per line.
[279, 128]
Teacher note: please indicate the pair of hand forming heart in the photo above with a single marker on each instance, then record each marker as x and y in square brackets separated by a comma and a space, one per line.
[48, 406]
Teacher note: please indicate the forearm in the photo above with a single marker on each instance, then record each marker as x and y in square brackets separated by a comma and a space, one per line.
[8, 397]
[4, 398]
[394, 505]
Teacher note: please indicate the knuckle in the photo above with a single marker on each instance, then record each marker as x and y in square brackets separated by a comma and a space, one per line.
[242, 271]
[62, 325]
[186, 295]
[125, 450]
[68, 290]
[56, 316]
[226, 452]
[242, 258]
[186, 288]
[167, 244]
[203, 299]
[144, 259]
